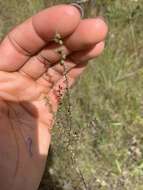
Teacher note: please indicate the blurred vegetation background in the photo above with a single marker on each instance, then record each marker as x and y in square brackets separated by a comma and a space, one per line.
[107, 104]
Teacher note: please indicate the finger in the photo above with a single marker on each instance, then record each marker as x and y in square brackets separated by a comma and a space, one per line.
[93, 36]
[87, 38]
[75, 59]
[35, 67]
[31, 36]
[40, 63]
[44, 61]
[63, 85]
[55, 73]
[51, 54]
[88, 33]
[51, 51]
[88, 54]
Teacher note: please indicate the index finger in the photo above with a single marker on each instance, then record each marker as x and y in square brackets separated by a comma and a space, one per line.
[31, 36]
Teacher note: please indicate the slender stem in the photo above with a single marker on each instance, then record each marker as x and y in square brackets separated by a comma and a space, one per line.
[60, 50]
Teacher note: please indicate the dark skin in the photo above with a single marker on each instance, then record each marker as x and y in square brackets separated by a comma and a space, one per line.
[30, 76]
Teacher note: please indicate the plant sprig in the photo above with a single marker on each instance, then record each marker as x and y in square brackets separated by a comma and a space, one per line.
[60, 51]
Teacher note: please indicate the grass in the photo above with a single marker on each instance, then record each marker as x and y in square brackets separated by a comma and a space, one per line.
[107, 105]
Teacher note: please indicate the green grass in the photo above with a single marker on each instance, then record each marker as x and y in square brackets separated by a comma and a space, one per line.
[107, 105]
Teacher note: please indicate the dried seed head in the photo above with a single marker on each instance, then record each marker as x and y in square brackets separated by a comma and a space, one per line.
[64, 56]
[59, 50]
[62, 62]
[58, 36]
[58, 39]
[61, 42]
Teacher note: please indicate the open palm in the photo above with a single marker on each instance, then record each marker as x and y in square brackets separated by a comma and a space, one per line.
[32, 81]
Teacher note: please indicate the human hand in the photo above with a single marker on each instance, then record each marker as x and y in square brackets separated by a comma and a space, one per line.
[30, 76]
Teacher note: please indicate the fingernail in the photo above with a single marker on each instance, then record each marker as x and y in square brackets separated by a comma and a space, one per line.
[102, 18]
[79, 7]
